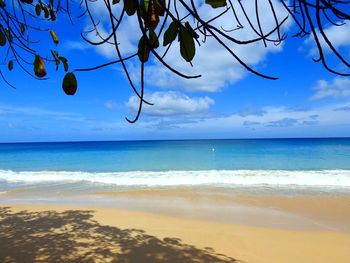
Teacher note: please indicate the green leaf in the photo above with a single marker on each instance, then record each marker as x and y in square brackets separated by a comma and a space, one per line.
[170, 34]
[143, 49]
[10, 65]
[37, 9]
[69, 84]
[216, 3]
[64, 62]
[190, 29]
[130, 7]
[2, 38]
[144, 5]
[114, 2]
[39, 67]
[187, 47]
[153, 39]
[54, 37]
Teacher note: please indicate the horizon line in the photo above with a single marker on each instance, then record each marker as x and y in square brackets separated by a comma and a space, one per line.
[186, 139]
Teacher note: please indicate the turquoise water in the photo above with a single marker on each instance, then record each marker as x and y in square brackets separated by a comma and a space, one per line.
[278, 162]
[283, 154]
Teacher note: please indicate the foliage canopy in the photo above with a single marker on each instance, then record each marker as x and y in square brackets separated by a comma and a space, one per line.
[162, 24]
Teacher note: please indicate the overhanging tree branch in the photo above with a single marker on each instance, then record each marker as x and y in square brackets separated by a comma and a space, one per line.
[176, 23]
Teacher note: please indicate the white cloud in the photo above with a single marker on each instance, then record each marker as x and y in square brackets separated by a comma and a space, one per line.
[339, 87]
[127, 34]
[274, 121]
[35, 111]
[338, 35]
[76, 45]
[343, 108]
[110, 104]
[171, 103]
[217, 67]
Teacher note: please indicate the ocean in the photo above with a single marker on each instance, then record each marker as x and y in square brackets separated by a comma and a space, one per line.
[112, 166]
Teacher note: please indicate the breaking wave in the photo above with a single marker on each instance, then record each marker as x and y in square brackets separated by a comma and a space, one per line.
[226, 178]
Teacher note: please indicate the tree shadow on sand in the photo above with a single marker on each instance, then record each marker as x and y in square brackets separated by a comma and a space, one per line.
[73, 236]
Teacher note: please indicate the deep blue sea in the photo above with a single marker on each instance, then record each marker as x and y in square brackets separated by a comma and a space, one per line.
[228, 163]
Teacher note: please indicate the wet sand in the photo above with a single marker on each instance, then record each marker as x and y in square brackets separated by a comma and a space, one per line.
[297, 211]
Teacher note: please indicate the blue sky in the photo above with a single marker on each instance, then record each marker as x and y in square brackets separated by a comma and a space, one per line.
[227, 102]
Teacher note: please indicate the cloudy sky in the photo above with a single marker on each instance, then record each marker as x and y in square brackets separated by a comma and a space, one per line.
[226, 102]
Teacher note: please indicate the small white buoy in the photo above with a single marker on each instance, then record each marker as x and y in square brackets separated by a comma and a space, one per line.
[213, 149]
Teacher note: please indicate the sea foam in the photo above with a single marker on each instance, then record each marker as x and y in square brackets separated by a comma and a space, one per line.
[226, 178]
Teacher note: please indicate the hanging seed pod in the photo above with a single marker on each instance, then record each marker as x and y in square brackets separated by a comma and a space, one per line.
[69, 84]
[52, 15]
[37, 9]
[152, 19]
[46, 12]
[23, 28]
[10, 65]
[27, 1]
[2, 38]
[54, 37]
[39, 67]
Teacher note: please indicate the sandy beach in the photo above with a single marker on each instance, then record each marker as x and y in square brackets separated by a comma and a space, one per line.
[83, 233]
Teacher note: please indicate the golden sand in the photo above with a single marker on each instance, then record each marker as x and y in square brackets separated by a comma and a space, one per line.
[42, 233]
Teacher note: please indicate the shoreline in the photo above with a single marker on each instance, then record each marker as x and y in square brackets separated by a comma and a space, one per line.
[322, 211]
